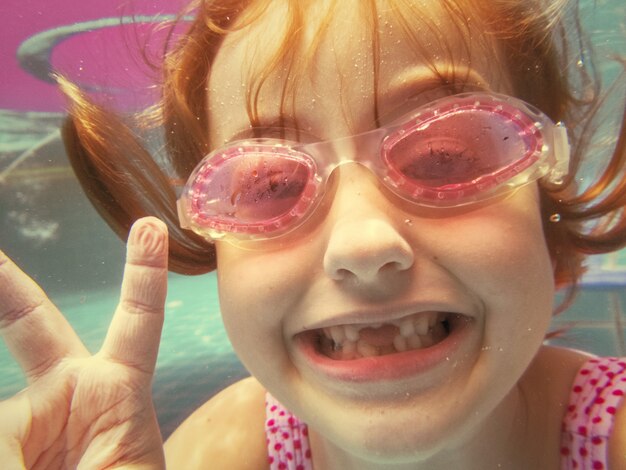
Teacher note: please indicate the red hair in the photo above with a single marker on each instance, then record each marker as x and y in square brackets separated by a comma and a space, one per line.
[543, 48]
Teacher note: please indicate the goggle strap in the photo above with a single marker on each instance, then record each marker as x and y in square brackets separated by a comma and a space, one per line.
[561, 154]
[183, 218]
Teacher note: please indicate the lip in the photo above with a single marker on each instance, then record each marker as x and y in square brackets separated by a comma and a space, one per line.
[391, 367]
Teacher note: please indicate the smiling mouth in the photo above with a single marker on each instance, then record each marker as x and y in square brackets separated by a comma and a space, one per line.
[355, 341]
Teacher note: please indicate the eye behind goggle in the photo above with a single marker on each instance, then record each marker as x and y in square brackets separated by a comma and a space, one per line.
[250, 190]
[467, 150]
[453, 152]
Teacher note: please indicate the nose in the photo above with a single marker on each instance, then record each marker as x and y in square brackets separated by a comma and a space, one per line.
[364, 243]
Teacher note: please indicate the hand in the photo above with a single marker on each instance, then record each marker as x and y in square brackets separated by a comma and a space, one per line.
[79, 410]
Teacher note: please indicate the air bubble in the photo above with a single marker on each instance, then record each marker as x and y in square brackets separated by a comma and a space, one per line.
[408, 222]
[555, 218]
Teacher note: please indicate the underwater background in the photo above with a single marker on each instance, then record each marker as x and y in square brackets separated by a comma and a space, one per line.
[48, 227]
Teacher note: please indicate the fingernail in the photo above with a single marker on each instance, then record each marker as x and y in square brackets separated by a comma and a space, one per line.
[148, 240]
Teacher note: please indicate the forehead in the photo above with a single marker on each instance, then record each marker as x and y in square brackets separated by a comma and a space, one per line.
[330, 70]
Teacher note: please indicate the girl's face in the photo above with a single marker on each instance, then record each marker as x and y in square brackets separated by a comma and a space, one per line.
[371, 267]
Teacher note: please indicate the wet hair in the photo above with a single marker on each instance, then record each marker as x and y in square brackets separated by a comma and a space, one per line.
[545, 56]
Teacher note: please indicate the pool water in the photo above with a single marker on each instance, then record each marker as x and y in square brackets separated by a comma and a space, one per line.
[51, 231]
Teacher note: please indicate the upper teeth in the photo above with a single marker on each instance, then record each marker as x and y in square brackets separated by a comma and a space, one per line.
[414, 332]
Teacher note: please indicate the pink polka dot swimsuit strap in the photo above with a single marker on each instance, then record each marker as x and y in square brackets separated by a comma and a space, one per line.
[287, 438]
[595, 397]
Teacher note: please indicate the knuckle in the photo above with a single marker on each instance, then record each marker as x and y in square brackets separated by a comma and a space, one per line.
[13, 315]
[137, 366]
[137, 307]
[41, 368]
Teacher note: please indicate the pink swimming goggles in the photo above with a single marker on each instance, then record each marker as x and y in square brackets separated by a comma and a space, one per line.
[451, 152]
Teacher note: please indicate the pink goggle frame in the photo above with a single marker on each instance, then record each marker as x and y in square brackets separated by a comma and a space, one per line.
[455, 151]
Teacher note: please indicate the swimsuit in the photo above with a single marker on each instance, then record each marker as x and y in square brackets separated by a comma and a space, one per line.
[287, 438]
[595, 397]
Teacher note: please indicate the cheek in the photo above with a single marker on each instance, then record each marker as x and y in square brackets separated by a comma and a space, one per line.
[507, 258]
[502, 247]
[504, 260]
[261, 281]
[257, 291]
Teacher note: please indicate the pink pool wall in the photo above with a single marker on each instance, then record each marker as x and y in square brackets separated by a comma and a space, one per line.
[90, 41]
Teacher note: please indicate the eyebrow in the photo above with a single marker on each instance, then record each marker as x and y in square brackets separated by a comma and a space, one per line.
[279, 127]
[416, 86]
[437, 76]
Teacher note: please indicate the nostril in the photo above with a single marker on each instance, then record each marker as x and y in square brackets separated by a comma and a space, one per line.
[364, 250]
[359, 273]
[394, 266]
[340, 274]
[367, 267]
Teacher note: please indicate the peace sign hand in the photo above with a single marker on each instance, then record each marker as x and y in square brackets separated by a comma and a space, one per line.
[79, 410]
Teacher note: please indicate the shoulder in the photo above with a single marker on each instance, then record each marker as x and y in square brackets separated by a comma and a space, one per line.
[554, 369]
[226, 432]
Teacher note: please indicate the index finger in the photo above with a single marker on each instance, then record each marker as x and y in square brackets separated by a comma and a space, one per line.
[34, 330]
[135, 331]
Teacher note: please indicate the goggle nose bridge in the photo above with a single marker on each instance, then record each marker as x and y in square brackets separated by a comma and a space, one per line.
[363, 149]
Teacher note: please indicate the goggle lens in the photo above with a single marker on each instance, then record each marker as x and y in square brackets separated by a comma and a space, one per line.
[251, 189]
[452, 152]
[460, 150]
